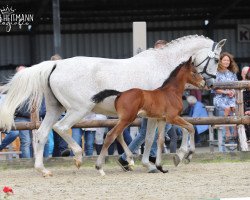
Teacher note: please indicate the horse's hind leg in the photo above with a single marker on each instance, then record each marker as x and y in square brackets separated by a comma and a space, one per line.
[40, 137]
[151, 126]
[160, 143]
[110, 137]
[62, 127]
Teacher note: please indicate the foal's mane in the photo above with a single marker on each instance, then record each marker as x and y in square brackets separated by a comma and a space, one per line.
[174, 73]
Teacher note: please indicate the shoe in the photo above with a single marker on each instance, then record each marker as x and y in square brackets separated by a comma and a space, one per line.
[65, 153]
[152, 159]
[124, 164]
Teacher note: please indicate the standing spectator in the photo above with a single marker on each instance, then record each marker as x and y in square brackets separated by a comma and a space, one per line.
[197, 109]
[88, 134]
[245, 74]
[99, 135]
[22, 115]
[224, 100]
[60, 145]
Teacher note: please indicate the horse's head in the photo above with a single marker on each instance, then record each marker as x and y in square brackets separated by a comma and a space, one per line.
[193, 77]
[206, 61]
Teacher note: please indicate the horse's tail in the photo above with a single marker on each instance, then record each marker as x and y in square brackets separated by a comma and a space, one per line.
[26, 87]
[99, 97]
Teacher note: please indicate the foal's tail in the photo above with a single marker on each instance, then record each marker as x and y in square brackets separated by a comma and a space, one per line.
[99, 97]
[26, 87]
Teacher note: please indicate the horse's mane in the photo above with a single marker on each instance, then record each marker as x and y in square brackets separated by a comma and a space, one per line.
[173, 42]
[173, 74]
[178, 41]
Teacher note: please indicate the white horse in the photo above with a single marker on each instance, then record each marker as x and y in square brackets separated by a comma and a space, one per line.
[69, 84]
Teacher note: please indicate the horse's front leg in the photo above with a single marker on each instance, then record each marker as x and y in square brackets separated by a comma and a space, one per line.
[150, 134]
[160, 143]
[183, 151]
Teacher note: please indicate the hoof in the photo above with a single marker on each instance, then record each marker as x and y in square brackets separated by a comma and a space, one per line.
[47, 174]
[77, 163]
[101, 172]
[186, 161]
[153, 171]
[160, 168]
[176, 160]
[131, 163]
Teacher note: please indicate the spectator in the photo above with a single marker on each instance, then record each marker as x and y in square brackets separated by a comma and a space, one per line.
[224, 100]
[127, 139]
[245, 74]
[60, 145]
[88, 134]
[22, 115]
[171, 131]
[99, 135]
[197, 109]
[160, 44]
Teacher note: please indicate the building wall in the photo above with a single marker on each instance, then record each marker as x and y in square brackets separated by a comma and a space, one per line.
[106, 40]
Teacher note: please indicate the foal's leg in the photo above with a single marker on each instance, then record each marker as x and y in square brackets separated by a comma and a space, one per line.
[186, 129]
[160, 143]
[151, 126]
[127, 151]
[110, 138]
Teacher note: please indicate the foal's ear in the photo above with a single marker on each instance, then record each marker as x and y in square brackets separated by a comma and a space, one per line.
[189, 61]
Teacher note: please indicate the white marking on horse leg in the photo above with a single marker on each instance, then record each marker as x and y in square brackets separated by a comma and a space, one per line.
[182, 151]
[102, 172]
[150, 134]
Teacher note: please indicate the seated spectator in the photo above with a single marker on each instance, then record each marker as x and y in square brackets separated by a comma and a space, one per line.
[197, 109]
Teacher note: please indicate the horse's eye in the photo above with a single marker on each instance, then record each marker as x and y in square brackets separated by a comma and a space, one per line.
[216, 60]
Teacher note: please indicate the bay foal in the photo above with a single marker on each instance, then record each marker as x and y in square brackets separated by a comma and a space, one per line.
[163, 103]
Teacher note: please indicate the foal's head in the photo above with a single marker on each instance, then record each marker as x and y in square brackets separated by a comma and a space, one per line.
[193, 77]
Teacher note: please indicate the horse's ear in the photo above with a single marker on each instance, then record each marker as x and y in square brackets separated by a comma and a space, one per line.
[221, 43]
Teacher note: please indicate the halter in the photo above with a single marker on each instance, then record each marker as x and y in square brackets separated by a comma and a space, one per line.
[208, 58]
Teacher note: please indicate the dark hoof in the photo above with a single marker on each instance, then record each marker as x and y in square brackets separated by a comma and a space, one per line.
[97, 167]
[161, 169]
[153, 171]
[176, 160]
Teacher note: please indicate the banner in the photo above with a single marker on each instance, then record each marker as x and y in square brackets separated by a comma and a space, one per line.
[244, 33]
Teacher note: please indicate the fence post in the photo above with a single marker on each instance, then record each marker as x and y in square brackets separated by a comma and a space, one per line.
[241, 128]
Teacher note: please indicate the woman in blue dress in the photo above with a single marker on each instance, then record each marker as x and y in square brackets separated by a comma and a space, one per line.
[224, 100]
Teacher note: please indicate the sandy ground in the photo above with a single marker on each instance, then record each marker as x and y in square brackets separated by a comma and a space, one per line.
[193, 181]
